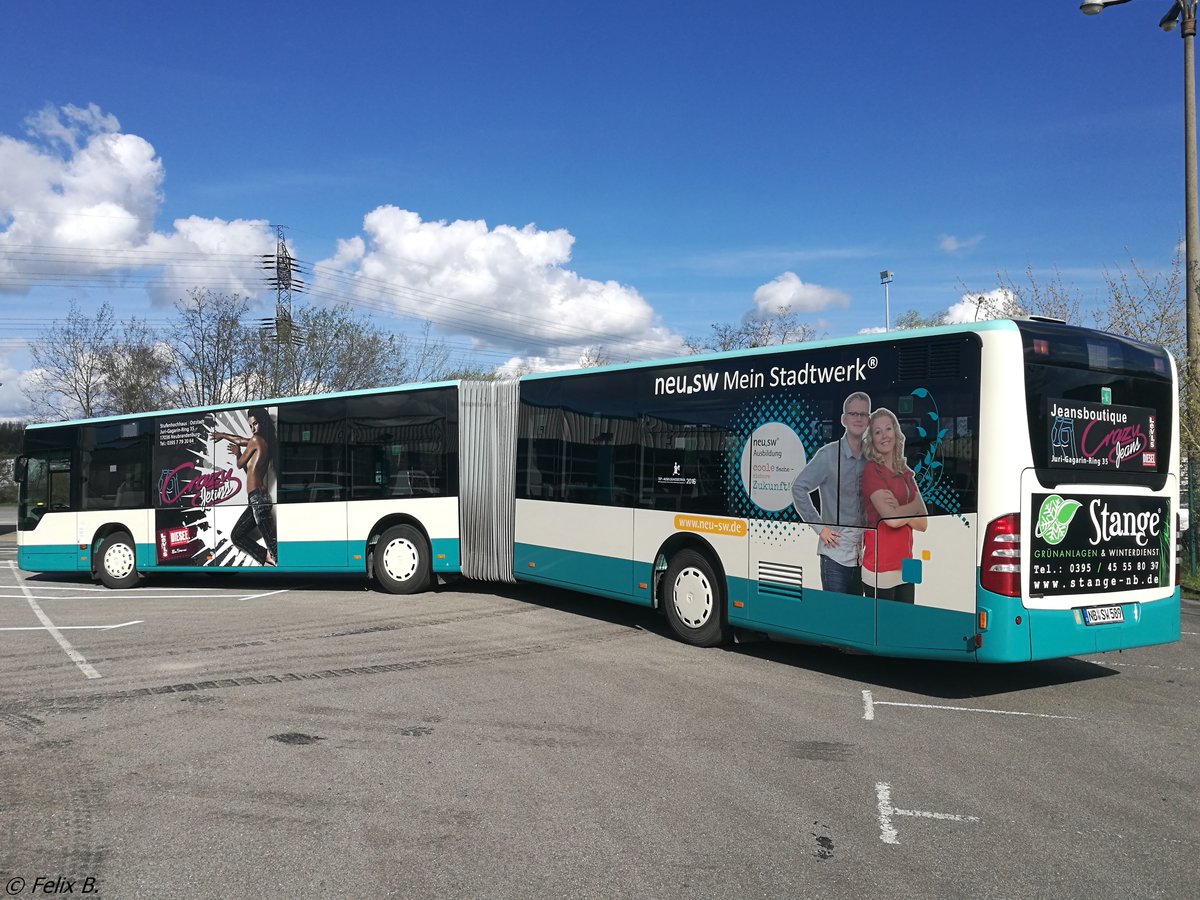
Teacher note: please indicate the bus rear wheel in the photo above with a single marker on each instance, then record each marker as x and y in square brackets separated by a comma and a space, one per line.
[116, 561]
[401, 560]
[693, 600]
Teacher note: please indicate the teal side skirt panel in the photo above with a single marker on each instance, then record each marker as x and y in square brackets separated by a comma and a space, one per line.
[323, 555]
[604, 576]
[924, 632]
[314, 556]
[811, 615]
[447, 554]
[54, 558]
[881, 627]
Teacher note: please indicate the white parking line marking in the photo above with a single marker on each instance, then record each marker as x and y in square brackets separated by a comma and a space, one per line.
[869, 704]
[267, 594]
[141, 596]
[1105, 662]
[77, 627]
[76, 657]
[887, 831]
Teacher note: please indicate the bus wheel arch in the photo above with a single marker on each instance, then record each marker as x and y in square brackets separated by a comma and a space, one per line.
[399, 555]
[114, 559]
[691, 590]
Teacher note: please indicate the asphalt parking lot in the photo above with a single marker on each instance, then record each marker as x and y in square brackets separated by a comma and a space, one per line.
[216, 736]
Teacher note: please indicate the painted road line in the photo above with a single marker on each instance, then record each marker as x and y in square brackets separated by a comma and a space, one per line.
[77, 627]
[887, 831]
[140, 596]
[267, 594]
[869, 704]
[76, 657]
[1105, 662]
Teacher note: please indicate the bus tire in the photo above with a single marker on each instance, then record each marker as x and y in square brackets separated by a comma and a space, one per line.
[116, 561]
[693, 600]
[401, 560]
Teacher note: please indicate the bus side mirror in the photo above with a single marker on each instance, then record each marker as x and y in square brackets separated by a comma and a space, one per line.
[20, 467]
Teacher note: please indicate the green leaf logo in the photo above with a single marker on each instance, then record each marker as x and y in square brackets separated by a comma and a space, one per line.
[1054, 518]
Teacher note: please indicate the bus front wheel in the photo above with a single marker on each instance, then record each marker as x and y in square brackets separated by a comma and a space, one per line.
[401, 560]
[116, 561]
[692, 598]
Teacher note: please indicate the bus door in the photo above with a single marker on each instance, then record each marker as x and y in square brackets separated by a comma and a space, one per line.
[46, 521]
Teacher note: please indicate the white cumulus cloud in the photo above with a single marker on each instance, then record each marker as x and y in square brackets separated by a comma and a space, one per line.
[501, 285]
[788, 292]
[948, 243]
[997, 304]
[78, 198]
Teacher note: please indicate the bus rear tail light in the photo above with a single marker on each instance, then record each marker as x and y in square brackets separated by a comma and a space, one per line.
[1000, 569]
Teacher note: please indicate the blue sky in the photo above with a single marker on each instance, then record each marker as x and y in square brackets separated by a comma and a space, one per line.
[637, 169]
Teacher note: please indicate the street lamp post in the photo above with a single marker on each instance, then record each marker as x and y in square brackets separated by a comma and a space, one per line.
[1183, 12]
[885, 278]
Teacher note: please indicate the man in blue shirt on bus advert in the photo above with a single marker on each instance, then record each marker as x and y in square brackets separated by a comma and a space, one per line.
[835, 473]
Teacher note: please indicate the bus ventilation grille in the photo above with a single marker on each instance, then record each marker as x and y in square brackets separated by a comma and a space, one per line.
[936, 359]
[781, 580]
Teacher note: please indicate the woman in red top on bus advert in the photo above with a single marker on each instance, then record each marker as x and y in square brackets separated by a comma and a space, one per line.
[893, 508]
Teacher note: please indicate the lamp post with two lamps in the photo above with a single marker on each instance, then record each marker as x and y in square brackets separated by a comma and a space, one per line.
[1183, 12]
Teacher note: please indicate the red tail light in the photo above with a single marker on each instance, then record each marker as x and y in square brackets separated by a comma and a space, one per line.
[1000, 568]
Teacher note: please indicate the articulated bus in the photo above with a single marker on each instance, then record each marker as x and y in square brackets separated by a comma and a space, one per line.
[997, 492]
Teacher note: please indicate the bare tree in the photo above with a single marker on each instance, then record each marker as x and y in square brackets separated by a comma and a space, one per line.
[136, 371]
[1053, 298]
[1150, 307]
[68, 359]
[331, 349]
[1139, 304]
[469, 373]
[214, 357]
[593, 357]
[780, 327]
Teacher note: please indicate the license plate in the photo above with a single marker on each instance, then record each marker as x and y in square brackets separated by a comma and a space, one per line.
[1103, 615]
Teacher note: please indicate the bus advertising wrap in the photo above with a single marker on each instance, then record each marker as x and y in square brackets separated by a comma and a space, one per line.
[215, 494]
[1090, 544]
[1102, 436]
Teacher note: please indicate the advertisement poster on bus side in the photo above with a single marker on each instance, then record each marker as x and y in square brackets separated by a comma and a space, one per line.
[215, 491]
[1102, 437]
[1089, 544]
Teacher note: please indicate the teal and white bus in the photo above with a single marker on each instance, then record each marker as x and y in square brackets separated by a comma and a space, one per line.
[344, 482]
[997, 492]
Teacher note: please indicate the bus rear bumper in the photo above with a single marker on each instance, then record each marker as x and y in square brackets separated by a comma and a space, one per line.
[1055, 633]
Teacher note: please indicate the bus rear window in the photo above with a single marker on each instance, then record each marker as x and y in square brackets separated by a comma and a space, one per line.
[1099, 405]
